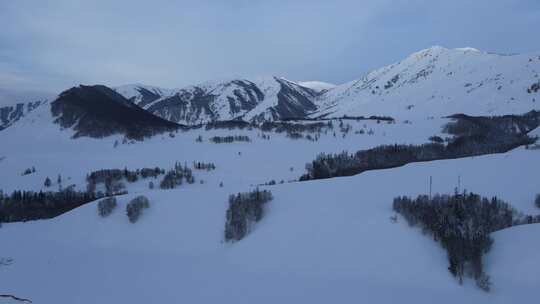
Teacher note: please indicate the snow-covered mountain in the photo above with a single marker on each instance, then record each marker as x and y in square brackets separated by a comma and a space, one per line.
[440, 81]
[13, 113]
[15, 104]
[433, 82]
[141, 94]
[260, 99]
[430, 83]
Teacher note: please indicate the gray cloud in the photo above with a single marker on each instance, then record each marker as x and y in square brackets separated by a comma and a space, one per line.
[56, 44]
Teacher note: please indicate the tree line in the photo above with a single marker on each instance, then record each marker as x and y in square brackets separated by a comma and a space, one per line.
[471, 136]
[230, 139]
[31, 205]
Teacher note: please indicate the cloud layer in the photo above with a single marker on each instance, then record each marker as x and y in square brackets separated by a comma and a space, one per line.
[51, 45]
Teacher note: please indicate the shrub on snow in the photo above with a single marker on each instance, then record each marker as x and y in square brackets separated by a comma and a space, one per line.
[136, 206]
[106, 206]
[245, 209]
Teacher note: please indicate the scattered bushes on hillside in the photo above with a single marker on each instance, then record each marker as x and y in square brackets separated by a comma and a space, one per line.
[436, 139]
[29, 171]
[290, 127]
[204, 166]
[472, 136]
[176, 176]
[112, 179]
[106, 206]
[136, 206]
[534, 88]
[230, 139]
[245, 209]
[461, 223]
[47, 182]
[30, 205]
[229, 125]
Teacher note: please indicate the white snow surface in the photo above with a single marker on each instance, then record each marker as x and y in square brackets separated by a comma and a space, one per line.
[317, 85]
[327, 241]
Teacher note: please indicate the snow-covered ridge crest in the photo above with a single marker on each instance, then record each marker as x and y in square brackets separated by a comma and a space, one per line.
[141, 94]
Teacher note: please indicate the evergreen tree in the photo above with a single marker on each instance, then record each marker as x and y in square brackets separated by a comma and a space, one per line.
[47, 182]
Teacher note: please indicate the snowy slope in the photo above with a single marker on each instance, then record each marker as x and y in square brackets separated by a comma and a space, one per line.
[15, 104]
[13, 113]
[321, 242]
[439, 81]
[317, 85]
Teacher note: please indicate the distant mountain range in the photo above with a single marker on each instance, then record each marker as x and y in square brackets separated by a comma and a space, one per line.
[433, 82]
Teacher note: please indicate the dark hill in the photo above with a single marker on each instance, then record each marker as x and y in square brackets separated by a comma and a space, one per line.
[98, 111]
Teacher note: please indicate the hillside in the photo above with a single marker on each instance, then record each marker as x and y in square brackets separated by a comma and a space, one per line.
[320, 242]
[13, 113]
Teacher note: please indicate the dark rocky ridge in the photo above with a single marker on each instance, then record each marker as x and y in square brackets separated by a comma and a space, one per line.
[98, 111]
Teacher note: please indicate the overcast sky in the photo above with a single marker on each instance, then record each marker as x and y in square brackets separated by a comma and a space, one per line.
[52, 45]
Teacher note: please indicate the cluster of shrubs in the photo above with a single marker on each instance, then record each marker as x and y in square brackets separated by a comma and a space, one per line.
[461, 223]
[106, 206]
[176, 177]
[472, 136]
[295, 135]
[245, 209]
[534, 88]
[29, 171]
[204, 166]
[31, 205]
[288, 127]
[229, 139]
[47, 183]
[229, 125]
[134, 208]
[112, 178]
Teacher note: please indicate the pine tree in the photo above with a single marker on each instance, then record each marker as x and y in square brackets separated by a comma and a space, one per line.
[47, 182]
